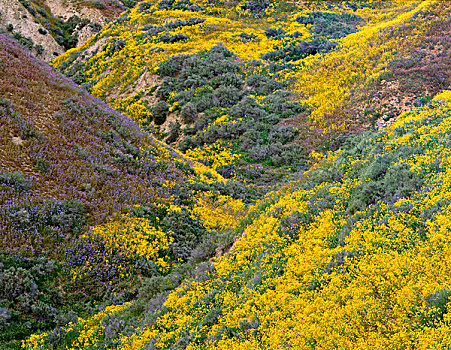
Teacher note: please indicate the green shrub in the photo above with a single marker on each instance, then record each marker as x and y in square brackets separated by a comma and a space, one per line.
[16, 180]
[39, 49]
[256, 7]
[160, 112]
[99, 5]
[129, 3]
[262, 84]
[166, 87]
[226, 96]
[276, 33]
[436, 307]
[297, 50]
[170, 39]
[42, 12]
[42, 165]
[25, 42]
[185, 231]
[227, 79]
[188, 113]
[65, 216]
[172, 65]
[29, 302]
[174, 132]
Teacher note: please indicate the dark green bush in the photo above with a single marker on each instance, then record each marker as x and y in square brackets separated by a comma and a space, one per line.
[172, 65]
[146, 267]
[160, 112]
[262, 84]
[331, 25]
[170, 39]
[166, 87]
[275, 33]
[436, 307]
[42, 165]
[185, 231]
[226, 96]
[256, 7]
[248, 107]
[16, 180]
[129, 3]
[29, 303]
[42, 12]
[25, 42]
[174, 132]
[39, 49]
[99, 5]
[245, 38]
[166, 4]
[227, 79]
[301, 49]
[65, 216]
[219, 51]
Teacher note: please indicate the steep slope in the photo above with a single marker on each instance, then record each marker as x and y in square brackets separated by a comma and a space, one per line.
[89, 203]
[99, 12]
[352, 256]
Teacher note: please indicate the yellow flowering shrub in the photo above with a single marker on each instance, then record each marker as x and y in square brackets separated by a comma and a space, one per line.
[134, 236]
[84, 334]
[217, 211]
[216, 154]
[326, 80]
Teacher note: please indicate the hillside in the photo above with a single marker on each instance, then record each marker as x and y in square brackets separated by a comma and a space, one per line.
[16, 19]
[89, 203]
[280, 99]
[352, 256]
[227, 175]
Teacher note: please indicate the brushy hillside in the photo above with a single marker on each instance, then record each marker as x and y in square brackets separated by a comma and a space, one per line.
[278, 179]
[89, 203]
[288, 79]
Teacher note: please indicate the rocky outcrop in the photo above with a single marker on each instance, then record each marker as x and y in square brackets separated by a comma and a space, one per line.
[15, 18]
[66, 9]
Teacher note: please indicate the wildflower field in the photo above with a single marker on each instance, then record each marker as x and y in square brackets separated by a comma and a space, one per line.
[248, 174]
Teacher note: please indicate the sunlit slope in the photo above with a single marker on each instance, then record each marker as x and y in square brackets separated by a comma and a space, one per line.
[352, 256]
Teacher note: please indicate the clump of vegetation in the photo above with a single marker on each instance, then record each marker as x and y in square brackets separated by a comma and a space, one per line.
[160, 112]
[28, 302]
[15, 180]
